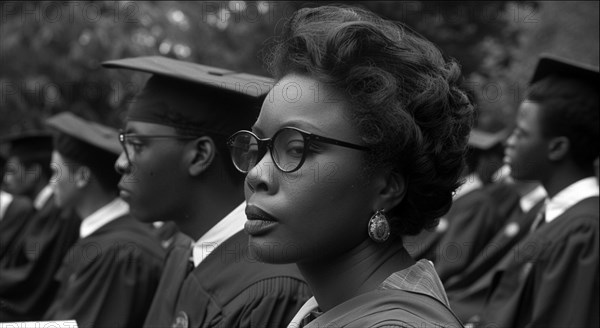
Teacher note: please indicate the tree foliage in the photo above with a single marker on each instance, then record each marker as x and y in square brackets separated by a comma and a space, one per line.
[50, 52]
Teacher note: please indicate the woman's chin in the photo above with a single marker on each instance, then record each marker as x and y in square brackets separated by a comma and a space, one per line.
[273, 252]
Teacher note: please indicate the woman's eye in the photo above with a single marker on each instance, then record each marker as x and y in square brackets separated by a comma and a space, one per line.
[295, 148]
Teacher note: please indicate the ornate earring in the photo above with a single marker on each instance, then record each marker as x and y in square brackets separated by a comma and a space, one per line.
[379, 227]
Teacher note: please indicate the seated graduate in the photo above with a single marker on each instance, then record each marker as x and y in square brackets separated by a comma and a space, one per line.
[468, 290]
[550, 278]
[27, 169]
[108, 278]
[15, 211]
[34, 254]
[175, 166]
[488, 151]
[468, 226]
[361, 142]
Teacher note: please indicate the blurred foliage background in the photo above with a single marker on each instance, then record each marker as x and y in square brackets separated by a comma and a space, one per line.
[50, 51]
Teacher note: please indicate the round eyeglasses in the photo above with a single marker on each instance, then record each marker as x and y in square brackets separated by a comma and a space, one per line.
[288, 147]
[129, 141]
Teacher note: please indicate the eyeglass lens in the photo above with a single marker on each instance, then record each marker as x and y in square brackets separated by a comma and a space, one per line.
[287, 151]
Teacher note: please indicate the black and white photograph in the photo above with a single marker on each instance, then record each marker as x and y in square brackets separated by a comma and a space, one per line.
[445, 170]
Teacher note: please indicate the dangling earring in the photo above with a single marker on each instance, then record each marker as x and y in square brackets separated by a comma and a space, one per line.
[379, 227]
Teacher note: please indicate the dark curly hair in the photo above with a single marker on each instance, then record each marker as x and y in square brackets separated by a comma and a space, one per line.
[570, 109]
[404, 99]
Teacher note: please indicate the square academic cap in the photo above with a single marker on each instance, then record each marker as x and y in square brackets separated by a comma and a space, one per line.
[29, 145]
[88, 143]
[92, 133]
[483, 140]
[553, 65]
[195, 97]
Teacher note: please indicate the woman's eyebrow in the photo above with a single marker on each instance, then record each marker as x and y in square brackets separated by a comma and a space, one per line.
[305, 125]
[257, 130]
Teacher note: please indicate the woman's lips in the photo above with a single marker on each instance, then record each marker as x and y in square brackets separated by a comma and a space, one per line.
[259, 222]
[258, 227]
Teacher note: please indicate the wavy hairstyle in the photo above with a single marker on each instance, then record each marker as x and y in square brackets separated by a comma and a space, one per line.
[404, 99]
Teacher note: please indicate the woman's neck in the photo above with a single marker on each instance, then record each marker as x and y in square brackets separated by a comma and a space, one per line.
[360, 270]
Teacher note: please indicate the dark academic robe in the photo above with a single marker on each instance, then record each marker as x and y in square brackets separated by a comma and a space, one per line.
[467, 291]
[166, 233]
[462, 233]
[507, 202]
[27, 284]
[15, 219]
[388, 308]
[228, 289]
[413, 297]
[108, 278]
[552, 280]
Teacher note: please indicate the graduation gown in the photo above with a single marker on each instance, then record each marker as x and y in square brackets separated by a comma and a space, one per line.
[15, 219]
[467, 291]
[552, 280]
[394, 305]
[166, 233]
[27, 284]
[108, 278]
[228, 289]
[388, 308]
[461, 234]
[506, 203]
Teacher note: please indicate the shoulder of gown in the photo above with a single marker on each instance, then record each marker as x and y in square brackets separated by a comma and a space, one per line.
[121, 261]
[551, 274]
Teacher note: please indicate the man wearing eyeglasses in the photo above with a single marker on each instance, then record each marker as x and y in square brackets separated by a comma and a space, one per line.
[175, 166]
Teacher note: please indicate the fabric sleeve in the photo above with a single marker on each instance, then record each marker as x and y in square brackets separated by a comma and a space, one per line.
[114, 290]
[470, 232]
[268, 303]
[565, 292]
[558, 288]
[16, 217]
[27, 284]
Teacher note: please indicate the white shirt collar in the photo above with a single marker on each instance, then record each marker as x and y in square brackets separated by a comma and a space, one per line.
[571, 195]
[502, 174]
[308, 307]
[105, 214]
[227, 227]
[529, 200]
[472, 182]
[5, 200]
[42, 197]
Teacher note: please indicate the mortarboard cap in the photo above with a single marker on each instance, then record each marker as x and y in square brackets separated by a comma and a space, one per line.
[195, 97]
[94, 134]
[88, 143]
[483, 140]
[29, 145]
[553, 65]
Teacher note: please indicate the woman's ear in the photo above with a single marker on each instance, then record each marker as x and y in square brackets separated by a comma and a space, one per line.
[558, 148]
[392, 191]
[83, 175]
[201, 155]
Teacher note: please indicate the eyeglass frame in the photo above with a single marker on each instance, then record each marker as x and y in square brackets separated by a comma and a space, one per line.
[123, 136]
[306, 136]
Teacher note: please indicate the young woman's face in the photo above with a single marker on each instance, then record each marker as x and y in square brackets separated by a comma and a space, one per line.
[321, 210]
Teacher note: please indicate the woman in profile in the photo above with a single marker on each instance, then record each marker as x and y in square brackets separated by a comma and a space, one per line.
[360, 143]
